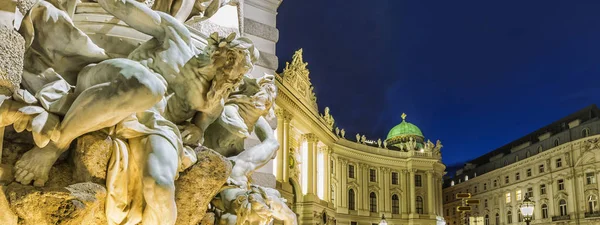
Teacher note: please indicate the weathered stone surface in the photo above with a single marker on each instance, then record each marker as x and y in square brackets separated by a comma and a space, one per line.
[197, 186]
[209, 219]
[268, 60]
[12, 50]
[81, 203]
[25, 5]
[7, 217]
[90, 157]
[264, 179]
[261, 30]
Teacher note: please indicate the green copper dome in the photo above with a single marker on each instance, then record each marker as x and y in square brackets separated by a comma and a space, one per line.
[404, 129]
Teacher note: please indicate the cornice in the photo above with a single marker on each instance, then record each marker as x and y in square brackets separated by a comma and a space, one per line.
[267, 5]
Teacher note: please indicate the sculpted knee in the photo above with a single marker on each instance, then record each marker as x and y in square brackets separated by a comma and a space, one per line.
[154, 86]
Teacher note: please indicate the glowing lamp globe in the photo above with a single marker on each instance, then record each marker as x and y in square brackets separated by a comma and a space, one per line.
[527, 209]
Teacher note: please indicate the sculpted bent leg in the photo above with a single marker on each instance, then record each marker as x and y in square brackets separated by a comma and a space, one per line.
[112, 90]
[159, 181]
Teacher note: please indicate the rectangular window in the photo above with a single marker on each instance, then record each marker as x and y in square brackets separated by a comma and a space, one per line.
[558, 163]
[394, 178]
[590, 178]
[561, 184]
[495, 183]
[528, 172]
[507, 197]
[542, 168]
[484, 186]
[518, 195]
[530, 192]
[351, 171]
[517, 176]
[418, 181]
[543, 189]
[372, 175]
[506, 180]
[353, 223]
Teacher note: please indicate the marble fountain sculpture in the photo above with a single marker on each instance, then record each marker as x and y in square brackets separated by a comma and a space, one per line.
[104, 129]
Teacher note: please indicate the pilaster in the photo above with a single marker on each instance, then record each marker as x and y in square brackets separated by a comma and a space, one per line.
[311, 140]
[411, 186]
[430, 193]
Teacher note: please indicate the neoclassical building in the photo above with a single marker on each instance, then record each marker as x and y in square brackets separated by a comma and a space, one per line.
[556, 166]
[330, 177]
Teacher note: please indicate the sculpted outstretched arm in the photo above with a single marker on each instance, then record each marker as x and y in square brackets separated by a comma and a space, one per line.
[257, 156]
[137, 15]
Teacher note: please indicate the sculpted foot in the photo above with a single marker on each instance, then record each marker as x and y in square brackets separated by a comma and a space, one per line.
[35, 165]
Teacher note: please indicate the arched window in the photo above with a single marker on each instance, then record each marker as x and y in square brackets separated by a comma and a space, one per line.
[351, 200]
[486, 220]
[562, 204]
[485, 203]
[544, 211]
[592, 203]
[519, 217]
[395, 204]
[585, 132]
[372, 202]
[556, 142]
[419, 205]
[509, 217]
[484, 186]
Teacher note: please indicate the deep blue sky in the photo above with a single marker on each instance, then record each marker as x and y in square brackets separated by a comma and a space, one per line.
[474, 74]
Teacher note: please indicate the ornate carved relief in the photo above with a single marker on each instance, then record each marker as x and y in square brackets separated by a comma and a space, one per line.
[295, 75]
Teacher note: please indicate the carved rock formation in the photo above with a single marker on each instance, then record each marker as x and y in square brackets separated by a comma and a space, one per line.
[81, 203]
[90, 157]
[199, 184]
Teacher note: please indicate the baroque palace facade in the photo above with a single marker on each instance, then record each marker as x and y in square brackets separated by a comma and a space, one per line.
[556, 166]
[329, 179]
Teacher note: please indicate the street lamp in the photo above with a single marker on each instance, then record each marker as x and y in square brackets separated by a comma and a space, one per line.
[382, 222]
[527, 209]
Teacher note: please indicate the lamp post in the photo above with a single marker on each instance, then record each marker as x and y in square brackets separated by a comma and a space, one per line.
[382, 222]
[526, 209]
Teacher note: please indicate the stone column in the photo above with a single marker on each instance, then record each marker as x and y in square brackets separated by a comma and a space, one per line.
[440, 196]
[364, 176]
[430, 194]
[343, 190]
[502, 203]
[327, 174]
[386, 189]
[404, 185]
[285, 154]
[381, 196]
[551, 200]
[281, 139]
[311, 140]
[411, 186]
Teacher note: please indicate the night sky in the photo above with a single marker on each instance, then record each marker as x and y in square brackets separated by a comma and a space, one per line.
[474, 74]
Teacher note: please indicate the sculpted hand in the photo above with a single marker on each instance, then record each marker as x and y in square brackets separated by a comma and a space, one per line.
[191, 134]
